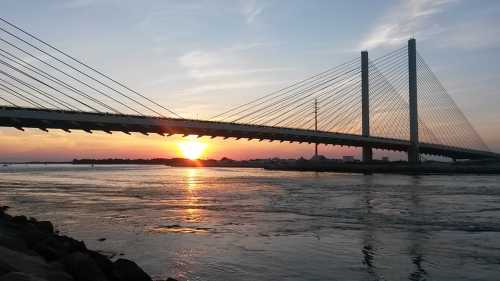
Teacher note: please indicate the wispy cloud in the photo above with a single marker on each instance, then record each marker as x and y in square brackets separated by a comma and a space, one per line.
[224, 62]
[202, 65]
[175, 9]
[74, 4]
[251, 9]
[220, 86]
[226, 68]
[409, 18]
[250, 46]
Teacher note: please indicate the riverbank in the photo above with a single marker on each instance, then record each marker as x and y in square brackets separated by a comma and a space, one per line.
[389, 168]
[33, 250]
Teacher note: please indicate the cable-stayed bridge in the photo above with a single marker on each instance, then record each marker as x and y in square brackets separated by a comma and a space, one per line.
[393, 102]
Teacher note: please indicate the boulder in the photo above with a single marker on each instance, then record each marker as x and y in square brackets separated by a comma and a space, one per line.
[103, 263]
[83, 268]
[20, 276]
[5, 268]
[49, 250]
[126, 270]
[71, 244]
[45, 226]
[54, 247]
[9, 240]
[58, 275]
[13, 261]
[19, 219]
[31, 234]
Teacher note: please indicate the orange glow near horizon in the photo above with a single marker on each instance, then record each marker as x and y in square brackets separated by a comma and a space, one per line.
[36, 145]
[192, 149]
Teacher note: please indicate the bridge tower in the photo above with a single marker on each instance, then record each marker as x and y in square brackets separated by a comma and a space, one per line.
[365, 105]
[316, 126]
[413, 152]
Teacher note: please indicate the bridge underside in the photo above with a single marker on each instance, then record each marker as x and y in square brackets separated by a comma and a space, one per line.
[69, 120]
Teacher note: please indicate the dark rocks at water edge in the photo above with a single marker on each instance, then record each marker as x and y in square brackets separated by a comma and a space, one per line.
[30, 250]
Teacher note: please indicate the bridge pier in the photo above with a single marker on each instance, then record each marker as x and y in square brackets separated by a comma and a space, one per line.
[413, 152]
[365, 106]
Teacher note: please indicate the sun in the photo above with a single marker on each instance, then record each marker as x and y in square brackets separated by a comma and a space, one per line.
[192, 149]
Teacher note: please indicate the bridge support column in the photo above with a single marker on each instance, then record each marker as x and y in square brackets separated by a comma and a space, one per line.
[413, 152]
[316, 127]
[365, 105]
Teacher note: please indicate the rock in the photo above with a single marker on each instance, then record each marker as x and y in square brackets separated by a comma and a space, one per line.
[126, 270]
[55, 247]
[8, 240]
[171, 279]
[19, 276]
[27, 246]
[103, 263]
[72, 244]
[5, 268]
[19, 219]
[31, 234]
[32, 265]
[50, 249]
[45, 226]
[83, 268]
[58, 276]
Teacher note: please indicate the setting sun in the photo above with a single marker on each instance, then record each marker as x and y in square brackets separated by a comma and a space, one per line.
[192, 149]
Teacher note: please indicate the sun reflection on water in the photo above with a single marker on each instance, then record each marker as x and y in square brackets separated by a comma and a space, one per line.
[192, 185]
[192, 179]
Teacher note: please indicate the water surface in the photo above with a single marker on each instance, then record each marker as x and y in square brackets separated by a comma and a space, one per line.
[251, 224]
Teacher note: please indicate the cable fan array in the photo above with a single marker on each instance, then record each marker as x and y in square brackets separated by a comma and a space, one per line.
[35, 74]
[337, 94]
[292, 106]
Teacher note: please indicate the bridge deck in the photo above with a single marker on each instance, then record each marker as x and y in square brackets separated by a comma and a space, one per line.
[70, 120]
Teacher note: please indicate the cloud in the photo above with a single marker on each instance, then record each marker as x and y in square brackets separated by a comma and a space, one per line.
[251, 9]
[409, 18]
[219, 86]
[250, 46]
[198, 59]
[75, 4]
[226, 69]
[205, 65]
[173, 10]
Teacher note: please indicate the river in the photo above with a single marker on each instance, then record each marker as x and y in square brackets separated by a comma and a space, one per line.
[250, 224]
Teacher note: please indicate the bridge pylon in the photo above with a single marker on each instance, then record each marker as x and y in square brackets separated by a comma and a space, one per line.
[365, 105]
[413, 152]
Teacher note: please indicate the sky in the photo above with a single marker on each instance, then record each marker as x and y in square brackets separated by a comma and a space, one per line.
[203, 57]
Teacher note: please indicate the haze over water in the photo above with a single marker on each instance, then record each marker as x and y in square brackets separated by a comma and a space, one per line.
[251, 224]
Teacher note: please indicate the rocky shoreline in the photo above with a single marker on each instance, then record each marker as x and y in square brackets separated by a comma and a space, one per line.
[32, 250]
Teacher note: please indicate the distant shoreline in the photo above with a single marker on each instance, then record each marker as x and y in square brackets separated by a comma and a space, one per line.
[324, 165]
[401, 169]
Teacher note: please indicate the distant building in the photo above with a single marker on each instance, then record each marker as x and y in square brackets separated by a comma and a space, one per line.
[348, 158]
